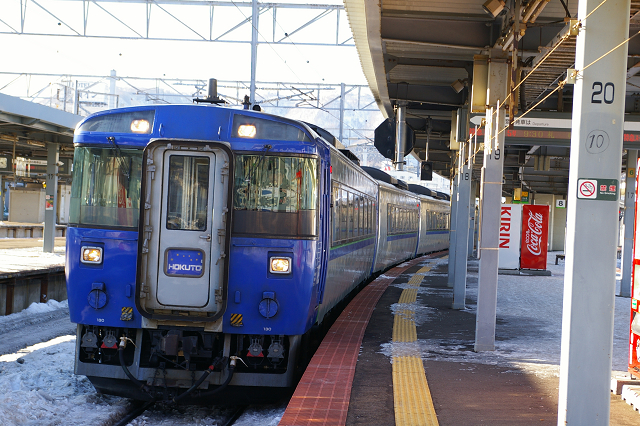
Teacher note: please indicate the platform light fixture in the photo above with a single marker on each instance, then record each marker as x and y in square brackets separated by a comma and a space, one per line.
[457, 85]
[493, 7]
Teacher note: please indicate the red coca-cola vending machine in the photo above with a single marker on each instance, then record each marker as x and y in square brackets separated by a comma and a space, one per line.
[634, 326]
[535, 232]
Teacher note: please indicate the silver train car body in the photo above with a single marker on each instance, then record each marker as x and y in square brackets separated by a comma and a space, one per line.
[375, 225]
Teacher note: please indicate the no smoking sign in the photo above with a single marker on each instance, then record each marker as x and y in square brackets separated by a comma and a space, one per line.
[588, 188]
[598, 189]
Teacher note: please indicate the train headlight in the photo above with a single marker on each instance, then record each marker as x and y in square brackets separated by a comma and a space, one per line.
[247, 131]
[280, 265]
[140, 126]
[91, 255]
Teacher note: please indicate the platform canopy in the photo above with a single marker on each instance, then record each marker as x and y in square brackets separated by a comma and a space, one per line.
[26, 128]
[423, 52]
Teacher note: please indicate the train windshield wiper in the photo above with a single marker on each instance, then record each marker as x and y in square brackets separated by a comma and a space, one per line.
[125, 165]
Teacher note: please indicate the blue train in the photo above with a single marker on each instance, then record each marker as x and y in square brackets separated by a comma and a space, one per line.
[206, 242]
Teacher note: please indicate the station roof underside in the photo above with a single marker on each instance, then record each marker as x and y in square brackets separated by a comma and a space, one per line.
[27, 127]
[415, 50]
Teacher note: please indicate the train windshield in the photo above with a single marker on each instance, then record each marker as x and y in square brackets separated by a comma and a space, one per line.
[275, 195]
[106, 187]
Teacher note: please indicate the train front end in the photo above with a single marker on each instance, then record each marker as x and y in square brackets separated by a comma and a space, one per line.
[209, 272]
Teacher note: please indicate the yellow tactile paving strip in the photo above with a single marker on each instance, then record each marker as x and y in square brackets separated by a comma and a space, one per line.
[411, 396]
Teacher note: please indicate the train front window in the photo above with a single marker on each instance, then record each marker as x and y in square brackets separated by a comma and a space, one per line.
[106, 187]
[275, 195]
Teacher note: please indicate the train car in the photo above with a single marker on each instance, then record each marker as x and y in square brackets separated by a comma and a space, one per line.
[434, 221]
[205, 243]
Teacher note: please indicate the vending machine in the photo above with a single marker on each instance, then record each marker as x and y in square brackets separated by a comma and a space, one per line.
[634, 329]
[535, 230]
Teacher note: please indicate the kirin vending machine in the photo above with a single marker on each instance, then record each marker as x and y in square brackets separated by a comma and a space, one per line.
[634, 332]
[535, 230]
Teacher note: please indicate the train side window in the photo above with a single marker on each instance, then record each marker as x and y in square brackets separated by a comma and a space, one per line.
[344, 215]
[371, 216]
[361, 215]
[405, 219]
[366, 216]
[350, 210]
[356, 214]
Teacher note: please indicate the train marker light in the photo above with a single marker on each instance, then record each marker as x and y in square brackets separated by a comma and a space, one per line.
[140, 126]
[247, 131]
[92, 255]
[280, 265]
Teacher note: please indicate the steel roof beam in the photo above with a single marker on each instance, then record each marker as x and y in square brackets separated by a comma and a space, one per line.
[124, 20]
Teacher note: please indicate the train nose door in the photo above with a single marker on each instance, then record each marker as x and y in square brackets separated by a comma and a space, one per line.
[187, 226]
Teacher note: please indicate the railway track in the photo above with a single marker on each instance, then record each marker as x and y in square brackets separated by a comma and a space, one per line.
[139, 408]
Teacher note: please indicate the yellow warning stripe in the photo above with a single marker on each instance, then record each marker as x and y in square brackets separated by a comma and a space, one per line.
[236, 320]
[411, 396]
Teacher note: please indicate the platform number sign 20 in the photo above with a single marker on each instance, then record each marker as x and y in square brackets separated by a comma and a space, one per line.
[602, 92]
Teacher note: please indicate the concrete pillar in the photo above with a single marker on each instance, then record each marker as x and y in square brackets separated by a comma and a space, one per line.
[559, 224]
[491, 197]
[472, 214]
[462, 229]
[629, 221]
[51, 197]
[592, 215]
[452, 233]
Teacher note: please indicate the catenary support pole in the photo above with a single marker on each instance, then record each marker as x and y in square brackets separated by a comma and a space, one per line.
[76, 99]
[342, 94]
[592, 214]
[629, 223]
[254, 50]
[51, 198]
[491, 197]
[112, 89]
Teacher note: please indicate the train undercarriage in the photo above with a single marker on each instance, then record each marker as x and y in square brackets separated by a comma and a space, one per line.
[163, 363]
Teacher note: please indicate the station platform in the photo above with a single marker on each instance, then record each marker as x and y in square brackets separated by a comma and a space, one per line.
[28, 275]
[399, 355]
[27, 230]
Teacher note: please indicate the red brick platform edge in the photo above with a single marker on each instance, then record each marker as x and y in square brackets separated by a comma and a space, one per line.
[322, 396]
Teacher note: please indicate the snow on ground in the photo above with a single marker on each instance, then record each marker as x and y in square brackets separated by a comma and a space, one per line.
[23, 259]
[529, 325]
[38, 387]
